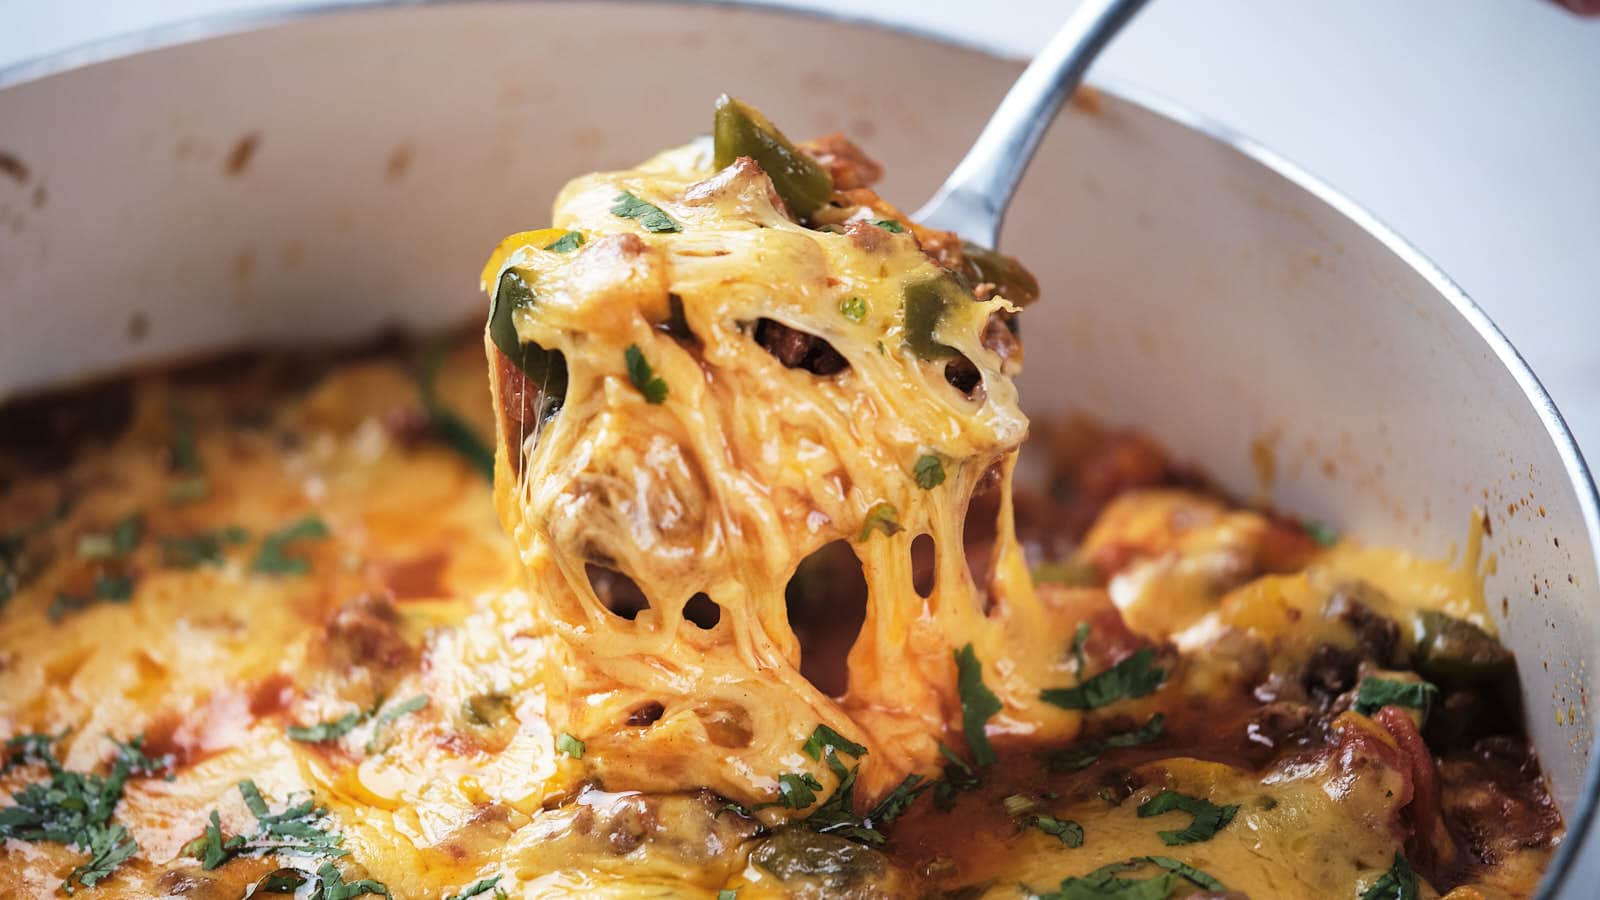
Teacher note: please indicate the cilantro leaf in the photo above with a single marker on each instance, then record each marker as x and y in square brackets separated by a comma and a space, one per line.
[1079, 636]
[881, 517]
[32, 747]
[929, 472]
[797, 790]
[272, 559]
[1322, 534]
[567, 243]
[121, 540]
[978, 705]
[959, 775]
[376, 742]
[650, 216]
[1209, 818]
[445, 424]
[824, 738]
[895, 803]
[331, 730]
[888, 225]
[1399, 883]
[335, 888]
[643, 377]
[482, 885]
[853, 308]
[1376, 693]
[728, 894]
[1134, 676]
[1106, 881]
[202, 548]
[1066, 831]
[570, 745]
[1084, 754]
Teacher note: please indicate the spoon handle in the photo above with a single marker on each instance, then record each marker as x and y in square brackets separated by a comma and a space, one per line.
[973, 200]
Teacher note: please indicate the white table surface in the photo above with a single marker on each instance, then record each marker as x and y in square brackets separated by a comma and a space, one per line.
[1471, 126]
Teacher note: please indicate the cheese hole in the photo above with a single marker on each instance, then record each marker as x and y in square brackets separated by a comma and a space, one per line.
[924, 565]
[645, 714]
[702, 611]
[617, 592]
[978, 535]
[827, 601]
[798, 350]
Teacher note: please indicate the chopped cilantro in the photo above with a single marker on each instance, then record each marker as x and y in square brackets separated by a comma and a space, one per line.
[959, 775]
[797, 790]
[75, 809]
[978, 704]
[853, 308]
[272, 559]
[185, 457]
[1106, 881]
[449, 427]
[299, 828]
[377, 742]
[1399, 883]
[1376, 693]
[1066, 831]
[823, 739]
[66, 604]
[121, 540]
[331, 730]
[896, 802]
[1083, 754]
[728, 894]
[650, 216]
[643, 377]
[570, 745]
[1209, 818]
[1134, 676]
[1080, 635]
[203, 548]
[1322, 534]
[881, 517]
[115, 588]
[888, 225]
[334, 886]
[482, 885]
[929, 472]
[32, 747]
[567, 243]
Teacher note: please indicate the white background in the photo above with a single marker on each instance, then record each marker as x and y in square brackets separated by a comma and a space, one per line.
[1471, 126]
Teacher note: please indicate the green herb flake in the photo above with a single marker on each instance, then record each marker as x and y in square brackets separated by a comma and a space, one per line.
[330, 730]
[797, 790]
[379, 739]
[567, 243]
[823, 739]
[1107, 881]
[1399, 883]
[1324, 535]
[571, 746]
[853, 308]
[114, 588]
[643, 377]
[121, 540]
[203, 548]
[1080, 636]
[334, 886]
[1209, 818]
[1134, 676]
[888, 225]
[273, 559]
[978, 705]
[74, 808]
[443, 422]
[929, 472]
[896, 802]
[1376, 693]
[650, 216]
[1066, 831]
[482, 885]
[1084, 754]
[300, 828]
[881, 517]
[728, 894]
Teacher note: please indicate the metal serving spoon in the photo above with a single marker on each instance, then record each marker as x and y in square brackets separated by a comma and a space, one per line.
[973, 200]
